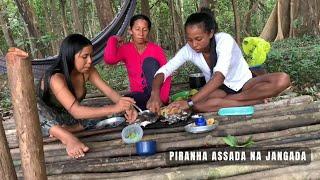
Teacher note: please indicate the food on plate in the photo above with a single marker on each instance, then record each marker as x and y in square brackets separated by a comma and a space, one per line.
[210, 121]
[132, 135]
[165, 111]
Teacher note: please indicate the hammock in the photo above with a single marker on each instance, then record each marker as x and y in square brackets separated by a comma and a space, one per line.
[117, 27]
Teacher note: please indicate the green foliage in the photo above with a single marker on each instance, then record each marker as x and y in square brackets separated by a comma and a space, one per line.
[5, 100]
[182, 74]
[299, 57]
[233, 141]
[115, 76]
[260, 17]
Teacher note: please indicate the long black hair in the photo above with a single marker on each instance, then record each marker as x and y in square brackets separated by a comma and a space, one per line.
[64, 64]
[140, 16]
[205, 18]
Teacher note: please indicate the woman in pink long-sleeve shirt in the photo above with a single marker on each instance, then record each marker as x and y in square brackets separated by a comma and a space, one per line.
[142, 59]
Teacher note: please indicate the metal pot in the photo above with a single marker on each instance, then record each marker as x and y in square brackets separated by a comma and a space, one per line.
[196, 80]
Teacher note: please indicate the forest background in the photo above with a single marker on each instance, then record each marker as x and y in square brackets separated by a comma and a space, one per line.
[292, 27]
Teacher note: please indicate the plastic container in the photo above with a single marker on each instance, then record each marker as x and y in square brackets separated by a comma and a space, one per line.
[132, 134]
[146, 148]
[234, 111]
[201, 121]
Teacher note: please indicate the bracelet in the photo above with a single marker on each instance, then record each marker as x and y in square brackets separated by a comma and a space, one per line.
[190, 103]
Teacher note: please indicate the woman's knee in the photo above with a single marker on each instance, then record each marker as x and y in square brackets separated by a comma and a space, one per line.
[283, 81]
[218, 94]
[150, 63]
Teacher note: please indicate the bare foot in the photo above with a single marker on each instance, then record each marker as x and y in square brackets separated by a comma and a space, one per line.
[75, 148]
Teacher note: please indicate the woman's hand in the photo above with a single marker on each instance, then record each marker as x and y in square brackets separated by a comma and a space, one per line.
[179, 104]
[154, 103]
[131, 115]
[120, 41]
[124, 104]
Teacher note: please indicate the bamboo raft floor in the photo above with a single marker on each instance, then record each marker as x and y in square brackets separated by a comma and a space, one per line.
[289, 122]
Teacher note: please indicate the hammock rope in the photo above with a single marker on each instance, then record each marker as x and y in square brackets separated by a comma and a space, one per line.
[116, 27]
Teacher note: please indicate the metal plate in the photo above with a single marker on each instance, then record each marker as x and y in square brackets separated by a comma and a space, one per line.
[112, 122]
[174, 118]
[146, 117]
[192, 128]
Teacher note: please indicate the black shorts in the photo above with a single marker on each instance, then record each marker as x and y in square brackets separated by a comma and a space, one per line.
[231, 91]
[227, 90]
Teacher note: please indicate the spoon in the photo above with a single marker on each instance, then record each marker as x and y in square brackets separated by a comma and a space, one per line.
[137, 107]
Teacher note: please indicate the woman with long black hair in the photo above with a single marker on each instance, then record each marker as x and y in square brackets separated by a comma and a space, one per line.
[63, 87]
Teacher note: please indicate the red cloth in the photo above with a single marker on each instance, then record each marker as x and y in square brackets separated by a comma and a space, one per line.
[128, 54]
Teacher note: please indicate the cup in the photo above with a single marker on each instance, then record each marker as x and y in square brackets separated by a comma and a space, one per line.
[146, 148]
[201, 121]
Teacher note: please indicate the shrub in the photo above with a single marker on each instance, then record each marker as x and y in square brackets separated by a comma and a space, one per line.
[299, 57]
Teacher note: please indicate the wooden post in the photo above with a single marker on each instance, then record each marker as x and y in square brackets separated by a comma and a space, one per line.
[7, 171]
[25, 113]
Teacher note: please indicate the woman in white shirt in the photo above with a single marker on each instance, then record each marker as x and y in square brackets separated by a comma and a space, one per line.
[217, 55]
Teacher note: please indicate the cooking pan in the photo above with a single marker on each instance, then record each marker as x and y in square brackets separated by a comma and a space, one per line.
[196, 80]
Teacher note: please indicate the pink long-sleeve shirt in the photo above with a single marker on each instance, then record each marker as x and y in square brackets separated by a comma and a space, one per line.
[128, 54]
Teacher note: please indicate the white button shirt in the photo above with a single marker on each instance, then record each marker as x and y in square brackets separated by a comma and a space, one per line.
[230, 62]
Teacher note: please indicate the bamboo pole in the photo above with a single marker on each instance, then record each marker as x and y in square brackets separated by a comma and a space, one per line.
[285, 126]
[121, 164]
[293, 136]
[7, 171]
[292, 109]
[202, 171]
[286, 110]
[311, 171]
[266, 127]
[207, 141]
[25, 113]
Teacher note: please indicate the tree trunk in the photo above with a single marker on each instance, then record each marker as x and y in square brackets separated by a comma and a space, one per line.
[4, 25]
[292, 18]
[63, 15]
[76, 18]
[236, 21]
[22, 90]
[145, 9]
[247, 17]
[176, 26]
[207, 3]
[7, 171]
[56, 28]
[31, 41]
[104, 11]
[28, 15]
[83, 16]
[49, 25]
